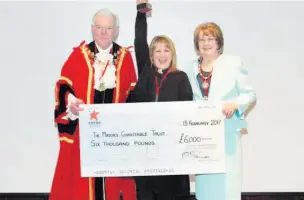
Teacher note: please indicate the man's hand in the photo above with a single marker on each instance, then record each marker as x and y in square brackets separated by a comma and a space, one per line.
[74, 107]
[140, 1]
[229, 109]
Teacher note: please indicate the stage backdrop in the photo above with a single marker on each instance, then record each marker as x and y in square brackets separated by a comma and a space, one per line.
[37, 37]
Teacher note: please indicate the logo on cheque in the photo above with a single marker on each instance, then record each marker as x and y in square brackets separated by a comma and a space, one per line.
[94, 117]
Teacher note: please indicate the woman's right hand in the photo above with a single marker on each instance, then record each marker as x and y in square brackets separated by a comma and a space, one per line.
[74, 107]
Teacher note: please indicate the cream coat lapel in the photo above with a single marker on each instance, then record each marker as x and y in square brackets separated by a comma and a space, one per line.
[222, 81]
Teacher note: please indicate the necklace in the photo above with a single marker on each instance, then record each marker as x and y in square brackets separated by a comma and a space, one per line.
[105, 64]
[205, 79]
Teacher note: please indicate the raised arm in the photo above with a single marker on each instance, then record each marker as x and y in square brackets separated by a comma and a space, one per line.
[140, 42]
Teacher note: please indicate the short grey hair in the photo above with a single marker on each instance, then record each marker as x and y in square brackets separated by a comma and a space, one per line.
[106, 12]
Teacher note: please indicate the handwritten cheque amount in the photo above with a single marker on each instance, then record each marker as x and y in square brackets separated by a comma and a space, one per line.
[146, 139]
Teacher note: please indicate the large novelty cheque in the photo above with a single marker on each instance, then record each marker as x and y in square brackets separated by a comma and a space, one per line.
[146, 139]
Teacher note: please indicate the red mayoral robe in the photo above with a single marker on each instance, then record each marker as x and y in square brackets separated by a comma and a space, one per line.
[77, 78]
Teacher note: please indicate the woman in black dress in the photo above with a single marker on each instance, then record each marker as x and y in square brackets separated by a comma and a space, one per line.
[159, 81]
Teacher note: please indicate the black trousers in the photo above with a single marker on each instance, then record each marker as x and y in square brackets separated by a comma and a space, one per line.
[162, 187]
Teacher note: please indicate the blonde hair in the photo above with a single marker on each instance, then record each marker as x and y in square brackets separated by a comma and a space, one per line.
[209, 28]
[164, 40]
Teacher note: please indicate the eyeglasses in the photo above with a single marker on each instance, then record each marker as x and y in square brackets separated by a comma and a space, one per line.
[207, 39]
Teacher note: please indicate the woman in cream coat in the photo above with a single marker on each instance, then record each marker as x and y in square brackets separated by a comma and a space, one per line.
[219, 77]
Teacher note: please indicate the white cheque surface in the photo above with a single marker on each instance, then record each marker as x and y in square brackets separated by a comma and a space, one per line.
[143, 139]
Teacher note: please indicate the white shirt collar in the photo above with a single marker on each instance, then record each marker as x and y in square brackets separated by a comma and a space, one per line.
[104, 50]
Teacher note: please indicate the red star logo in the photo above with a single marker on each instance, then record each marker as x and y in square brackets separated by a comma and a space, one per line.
[94, 115]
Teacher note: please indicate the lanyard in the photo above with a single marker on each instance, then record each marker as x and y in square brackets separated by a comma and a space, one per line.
[104, 71]
[158, 86]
